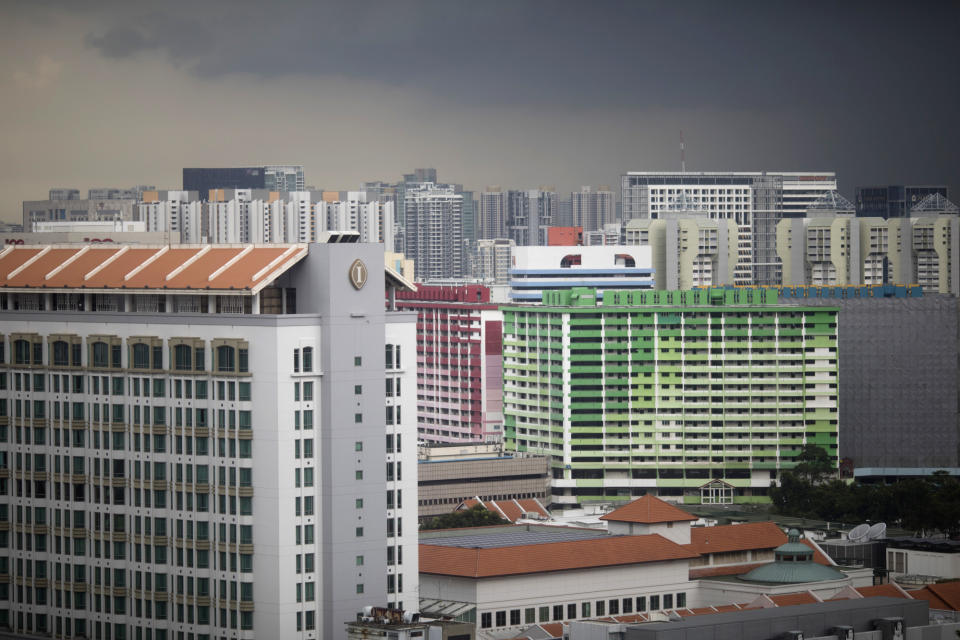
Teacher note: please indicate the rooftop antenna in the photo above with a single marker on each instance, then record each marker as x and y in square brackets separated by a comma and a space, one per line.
[683, 155]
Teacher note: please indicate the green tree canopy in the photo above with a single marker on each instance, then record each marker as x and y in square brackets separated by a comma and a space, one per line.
[475, 516]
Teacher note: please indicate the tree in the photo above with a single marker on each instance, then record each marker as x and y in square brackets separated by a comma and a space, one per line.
[475, 516]
[815, 464]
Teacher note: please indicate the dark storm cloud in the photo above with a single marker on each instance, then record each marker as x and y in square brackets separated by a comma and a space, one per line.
[621, 54]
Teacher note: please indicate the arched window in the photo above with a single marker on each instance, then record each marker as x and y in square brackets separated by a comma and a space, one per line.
[101, 354]
[141, 356]
[625, 260]
[61, 354]
[307, 359]
[571, 260]
[182, 357]
[226, 358]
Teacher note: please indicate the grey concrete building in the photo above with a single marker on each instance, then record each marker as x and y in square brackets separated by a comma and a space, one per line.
[448, 475]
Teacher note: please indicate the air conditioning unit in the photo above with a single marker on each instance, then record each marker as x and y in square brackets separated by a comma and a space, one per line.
[843, 632]
[890, 628]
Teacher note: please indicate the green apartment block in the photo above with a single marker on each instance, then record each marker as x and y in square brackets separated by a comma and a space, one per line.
[662, 392]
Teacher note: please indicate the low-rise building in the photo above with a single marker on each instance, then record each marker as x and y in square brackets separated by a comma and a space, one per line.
[539, 269]
[451, 474]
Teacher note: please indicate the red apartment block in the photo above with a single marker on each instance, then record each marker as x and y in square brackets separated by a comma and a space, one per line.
[459, 363]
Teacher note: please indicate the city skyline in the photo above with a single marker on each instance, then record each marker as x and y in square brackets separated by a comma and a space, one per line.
[491, 94]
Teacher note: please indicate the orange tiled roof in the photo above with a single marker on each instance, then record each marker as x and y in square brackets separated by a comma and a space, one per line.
[726, 570]
[171, 268]
[890, 590]
[788, 599]
[736, 537]
[943, 595]
[743, 537]
[553, 556]
[648, 510]
[511, 510]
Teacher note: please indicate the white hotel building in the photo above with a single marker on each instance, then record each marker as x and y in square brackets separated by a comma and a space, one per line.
[194, 442]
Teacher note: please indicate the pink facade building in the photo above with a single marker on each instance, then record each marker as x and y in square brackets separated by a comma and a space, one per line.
[459, 363]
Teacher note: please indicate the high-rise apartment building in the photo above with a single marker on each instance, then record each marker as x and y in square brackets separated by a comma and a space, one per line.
[173, 211]
[193, 441]
[688, 252]
[833, 247]
[372, 219]
[459, 364]
[492, 260]
[269, 177]
[531, 214]
[592, 209]
[434, 237]
[893, 201]
[661, 391]
[494, 212]
[756, 200]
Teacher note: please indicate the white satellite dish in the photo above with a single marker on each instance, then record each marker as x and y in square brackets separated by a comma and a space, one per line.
[859, 533]
[877, 531]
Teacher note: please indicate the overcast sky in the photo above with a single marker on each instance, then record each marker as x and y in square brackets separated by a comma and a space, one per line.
[520, 94]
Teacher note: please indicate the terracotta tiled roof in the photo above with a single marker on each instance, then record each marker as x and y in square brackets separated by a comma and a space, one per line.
[511, 510]
[138, 267]
[727, 570]
[648, 510]
[741, 537]
[553, 556]
[736, 537]
[943, 595]
[890, 590]
[788, 599]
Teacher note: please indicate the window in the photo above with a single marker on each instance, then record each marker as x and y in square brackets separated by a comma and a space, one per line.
[141, 356]
[357, 361]
[668, 601]
[641, 604]
[571, 611]
[584, 609]
[681, 600]
[307, 391]
[529, 615]
[182, 360]
[501, 618]
[486, 620]
[601, 608]
[307, 359]
[101, 354]
[296, 360]
[61, 354]
[226, 358]
[514, 617]
[544, 614]
[359, 532]
[358, 418]
[358, 446]
[357, 389]
[614, 607]
[654, 603]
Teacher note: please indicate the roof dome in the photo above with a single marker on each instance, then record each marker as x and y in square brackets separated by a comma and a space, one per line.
[793, 562]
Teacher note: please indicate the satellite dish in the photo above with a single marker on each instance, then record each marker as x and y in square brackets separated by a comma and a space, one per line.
[859, 533]
[877, 531]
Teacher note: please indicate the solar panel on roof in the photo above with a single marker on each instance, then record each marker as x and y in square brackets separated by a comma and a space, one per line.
[514, 538]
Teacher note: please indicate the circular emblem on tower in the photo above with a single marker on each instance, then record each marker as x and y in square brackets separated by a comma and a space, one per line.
[358, 274]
